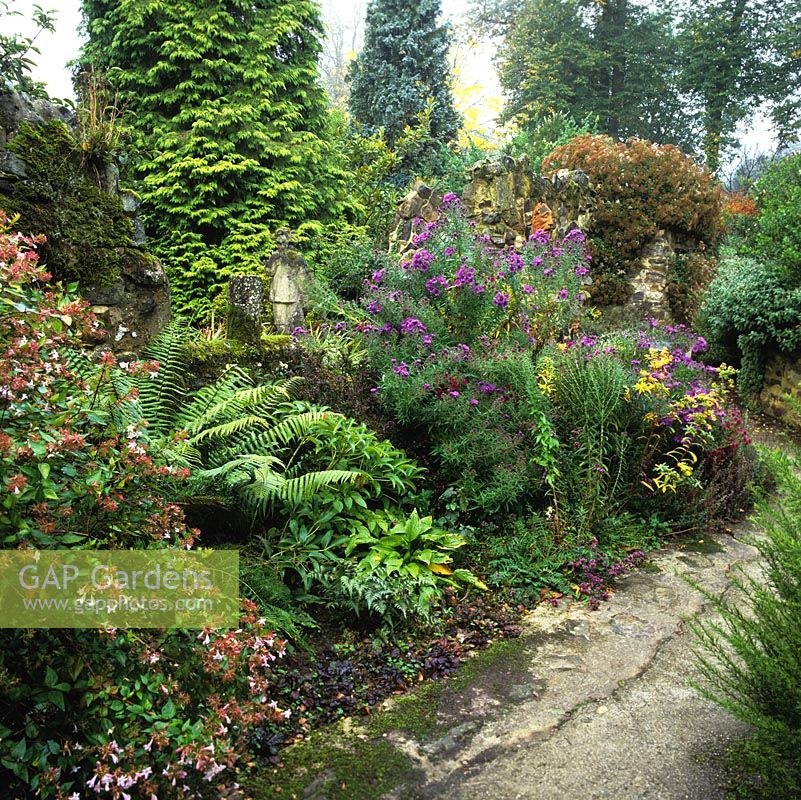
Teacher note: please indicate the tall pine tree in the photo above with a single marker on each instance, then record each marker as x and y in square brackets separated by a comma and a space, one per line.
[614, 59]
[736, 55]
[402, 65]
[226, 108]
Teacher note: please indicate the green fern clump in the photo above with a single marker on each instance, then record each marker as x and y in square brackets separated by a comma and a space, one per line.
[751, 660]
[240, 439]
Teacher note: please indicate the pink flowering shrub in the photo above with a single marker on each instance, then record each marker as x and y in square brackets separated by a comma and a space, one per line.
[70, 475]
[132, 714]
[124, 714]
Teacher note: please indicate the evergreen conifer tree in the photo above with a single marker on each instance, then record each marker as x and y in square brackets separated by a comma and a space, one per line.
[227, 112]
[615, 60]
[402, 65]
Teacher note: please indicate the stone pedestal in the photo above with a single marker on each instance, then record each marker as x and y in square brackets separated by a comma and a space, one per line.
[245, 296]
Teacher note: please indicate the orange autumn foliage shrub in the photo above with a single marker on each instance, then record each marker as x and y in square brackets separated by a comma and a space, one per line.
[739, 204]
[640, 188]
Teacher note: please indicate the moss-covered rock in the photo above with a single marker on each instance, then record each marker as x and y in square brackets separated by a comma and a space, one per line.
[87, 229]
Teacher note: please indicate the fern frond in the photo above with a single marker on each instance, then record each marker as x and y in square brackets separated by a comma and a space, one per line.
[232, 404]
[228, 429]
[299, 426]
[161, 396]
[295, 490]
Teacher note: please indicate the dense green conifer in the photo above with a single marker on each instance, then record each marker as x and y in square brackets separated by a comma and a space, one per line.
[403, 63]
[229, 121]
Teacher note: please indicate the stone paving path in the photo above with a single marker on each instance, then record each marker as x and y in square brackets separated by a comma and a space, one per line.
[585, 704]
[596, 704]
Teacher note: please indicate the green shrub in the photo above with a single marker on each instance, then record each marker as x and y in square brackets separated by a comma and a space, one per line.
[751, 660]
[690, 276]
[747, 312]
[776, 238]
[550, 132]
[640, 188]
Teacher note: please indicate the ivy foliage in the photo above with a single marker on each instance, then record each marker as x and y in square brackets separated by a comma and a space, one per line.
[640, 188]
[230, 122]
[402, 65]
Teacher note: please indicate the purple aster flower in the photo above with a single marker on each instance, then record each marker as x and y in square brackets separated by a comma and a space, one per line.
[454, 393]
[450, 199]
[448, 251]
[465, 276]
[421, 237]
[528, 288]
[562, 294]
[473, 402]
[433, 285]
[378, 275]
[422, 260]
[412, 325]
[581, 271]
[375, 307]
[547, 272]
[402, 369]
[516, 262]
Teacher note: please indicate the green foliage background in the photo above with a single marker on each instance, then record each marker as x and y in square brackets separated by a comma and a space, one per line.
[230, 126]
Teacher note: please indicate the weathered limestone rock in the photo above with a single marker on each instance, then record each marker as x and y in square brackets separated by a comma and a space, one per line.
[289, 272]
[649, 283]
[506, 202]
[498, 198]
[782, 378]
[17, 109]
[420, 205]
[131, 297]
[501, 196]
[245, 296]
[137, 306]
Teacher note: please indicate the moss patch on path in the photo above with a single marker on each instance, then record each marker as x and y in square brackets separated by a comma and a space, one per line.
[356, 760]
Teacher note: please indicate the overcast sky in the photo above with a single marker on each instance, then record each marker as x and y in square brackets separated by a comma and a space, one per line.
[60, 47]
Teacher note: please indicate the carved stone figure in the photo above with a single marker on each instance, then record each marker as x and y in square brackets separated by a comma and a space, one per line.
[289, 273]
